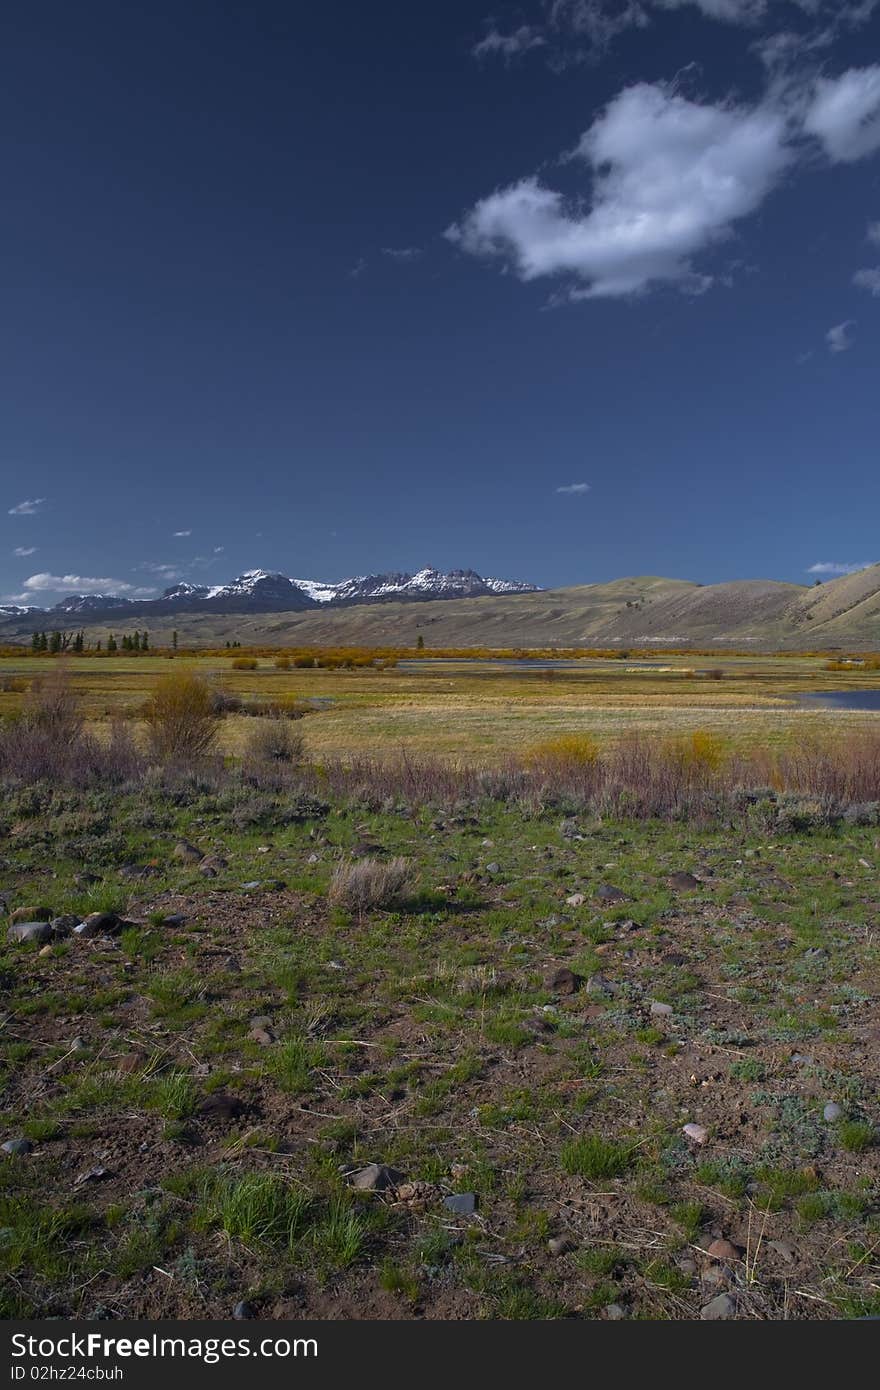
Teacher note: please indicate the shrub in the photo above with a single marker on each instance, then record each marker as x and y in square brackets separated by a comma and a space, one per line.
[282, 663]
[245, 663]
[181, 716]
[274, 741]
[565, 751]
[368, 883]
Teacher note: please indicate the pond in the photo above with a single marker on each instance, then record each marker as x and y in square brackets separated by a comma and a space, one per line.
[844, 699]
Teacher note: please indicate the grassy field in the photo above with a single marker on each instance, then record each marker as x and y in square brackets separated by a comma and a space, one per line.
[483, 711]
[197, 1086]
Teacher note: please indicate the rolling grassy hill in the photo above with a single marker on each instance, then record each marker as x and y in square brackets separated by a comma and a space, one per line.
[644, 611]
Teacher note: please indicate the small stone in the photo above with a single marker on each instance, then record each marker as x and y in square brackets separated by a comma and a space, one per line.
[576, 900]
[802, 1059]
[186, 852]
[174, 919]
[782, 1249]
[45, 951]
[607, 893]
[558, 1245]
[264, 849]
[600, 987]
[462, 1203]
[832, 1112]
[261, 1021]
[723, 1250]
[96, 1174]
[493, 868]
[687, 1265]
[375, 1177]
[696, 1133]
[220, 1105]
[564, 981]
[683, 882]
[314, 859]
[242, 1311]
[724, 1306]
[64, 925]
[17, 1148]
[660, 1010]
[31, 914]
[488, 844]
[212, 865]
[78, 1044]
[614, 1311]
[261, 1036]
[252, 883]
[40, 932]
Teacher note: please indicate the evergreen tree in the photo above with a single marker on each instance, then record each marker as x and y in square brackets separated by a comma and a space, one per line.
[78, 642]
[111, 643]
[35, 642]
[136, 642]
[98, 645]
[145, 641]
[174, 639]
[420, 643]
[44, 642]
[55, 643]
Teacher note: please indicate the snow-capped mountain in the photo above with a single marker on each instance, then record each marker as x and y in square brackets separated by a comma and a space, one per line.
[265, 591]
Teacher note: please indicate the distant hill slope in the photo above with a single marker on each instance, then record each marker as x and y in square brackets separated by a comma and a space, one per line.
[753, 615]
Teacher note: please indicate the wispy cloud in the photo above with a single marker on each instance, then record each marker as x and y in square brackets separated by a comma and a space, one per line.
[179, 534]
[358, 268]
[574, 488]
[81, 584]
[840, 338]
[509, 46]
[868, 279]
[402, 253]
[24, 550]
[28, 507]
[873, 233]
[161, 570]
[836, 567]
[219, 549]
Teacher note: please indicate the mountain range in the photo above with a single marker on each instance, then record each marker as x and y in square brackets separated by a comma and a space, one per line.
[262, 591]
[645, 611]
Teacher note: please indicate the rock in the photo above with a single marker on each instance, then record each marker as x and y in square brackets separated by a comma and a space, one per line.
[31, 914]
[687, 1265]
[314, 859]
[375, 1177]
[660, 1010]
[783, 1249]
[261, 1021]
[264, 849]
[45, 951]
[802, 1059]
[607, 893]
[17, 1148]
[570, 830]
[212, 865]
[174, 919]
[832, 1112]
[696, 1133]
[97, 924]
[186, 853]
[462, 1203]
[724, 1306]
[598, 986]
[493, 868]
[488, 844]
[64, 925]
[614, 1311]
[242, 1311]
[220, 1105]
[683, 882]
[723, 1250]
[576, 900]
[564, 981]
[252, 883]
[78, 1044]
[40, 932]
[96, 1174]
[558, 1245]
[262, 1036]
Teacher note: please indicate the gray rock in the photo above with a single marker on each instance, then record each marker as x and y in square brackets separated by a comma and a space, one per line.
[683, 882]
[599, 987]
[558, 1245]
[17, 1147]
[697, 1134]
[186, 852]
[97, 924]
[614, 1311]
[607, 893]
[576, 900]
[64, 925]
[783, 1249]
[564, 981]
[832, 1112]
[493, 868]
[660, 1010]
[375, 1177]
[462, 1203]
[252, 883]
[40, 932]
[261, 1021]
[174, 919]
[242, 1311]
[724, 1306]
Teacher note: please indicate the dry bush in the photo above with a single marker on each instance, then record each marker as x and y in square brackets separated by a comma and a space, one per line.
[699, 750]
[361, 884]
[245, 663]
[282, 663]
[274, 741]
[52, 707]
[182, 717]
[564, 751]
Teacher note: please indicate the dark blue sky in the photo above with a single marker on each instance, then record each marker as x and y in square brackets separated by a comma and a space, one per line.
[202, 329]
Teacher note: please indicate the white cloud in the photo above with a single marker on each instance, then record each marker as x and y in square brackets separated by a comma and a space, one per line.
[577, 488]
[669, 178]
[840, 338]
[219, 549]
[508, 46]
[834, 567]
[182, 533]
[28, 507]
[869, 279]
[873, 233]
[80, 584]
[162, 571]
[357, 269]
[24, 550]
[844, 114]
[402, 253]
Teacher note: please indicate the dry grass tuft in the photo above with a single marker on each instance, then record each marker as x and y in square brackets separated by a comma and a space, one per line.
[364, 884]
